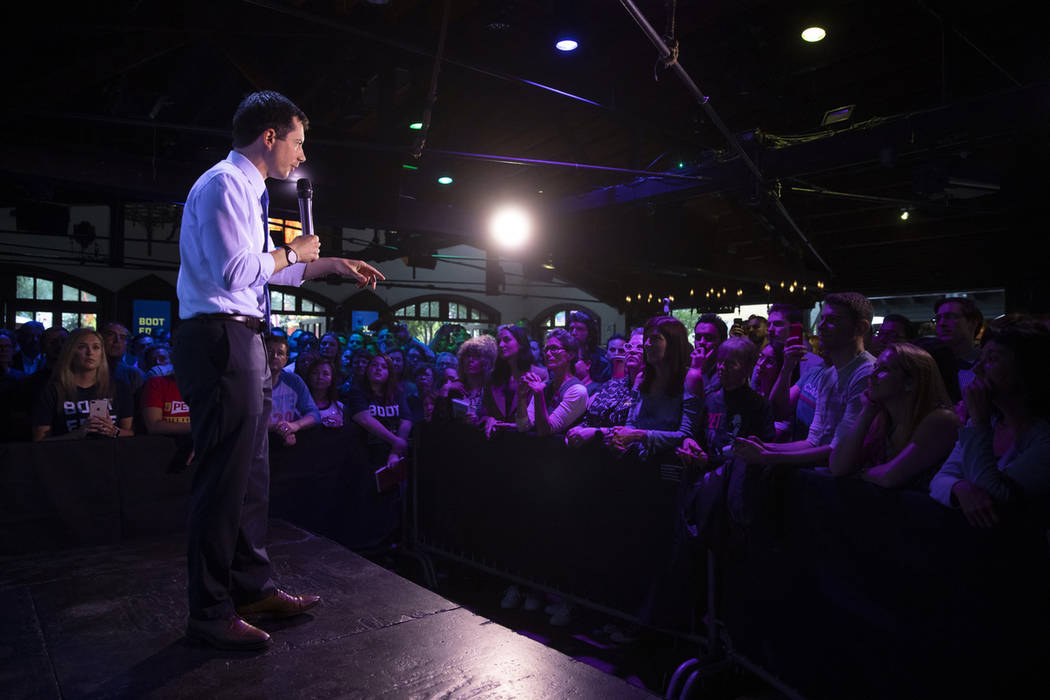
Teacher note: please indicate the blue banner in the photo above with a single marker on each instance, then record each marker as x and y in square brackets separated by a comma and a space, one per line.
[150, 316]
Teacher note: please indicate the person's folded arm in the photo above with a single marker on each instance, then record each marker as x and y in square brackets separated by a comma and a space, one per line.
[1027, 476]
[370, 423]
[846, 454]
[932, 442]
[153, 419]
[568, 411]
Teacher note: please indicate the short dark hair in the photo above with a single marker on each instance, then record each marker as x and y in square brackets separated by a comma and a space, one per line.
[903, 321]
[588, 320]
[264, 110]
[856, 305]
[791, 312]
[272, 339]
[714, 320]
[969, 309]
[1030, 342]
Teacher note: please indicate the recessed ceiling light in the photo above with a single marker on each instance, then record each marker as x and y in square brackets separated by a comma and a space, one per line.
[566, 44]
[813, 34]
[445, 180]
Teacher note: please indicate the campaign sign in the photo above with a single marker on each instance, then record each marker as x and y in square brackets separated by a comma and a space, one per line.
[150, 316]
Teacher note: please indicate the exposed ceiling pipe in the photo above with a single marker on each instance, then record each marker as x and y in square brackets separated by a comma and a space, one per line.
[670, 59]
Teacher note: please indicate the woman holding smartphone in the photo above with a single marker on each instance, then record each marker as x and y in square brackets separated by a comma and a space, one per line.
[82, 399]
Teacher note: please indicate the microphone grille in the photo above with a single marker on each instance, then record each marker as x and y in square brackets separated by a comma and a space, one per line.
[304, 187]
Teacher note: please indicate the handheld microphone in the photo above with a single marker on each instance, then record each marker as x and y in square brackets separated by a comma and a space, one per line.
[306, 199]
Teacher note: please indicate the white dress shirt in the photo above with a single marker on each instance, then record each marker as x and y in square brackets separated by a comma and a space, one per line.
[224, 244]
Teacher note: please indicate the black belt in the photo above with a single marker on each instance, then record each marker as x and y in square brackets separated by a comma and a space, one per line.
[256, 325]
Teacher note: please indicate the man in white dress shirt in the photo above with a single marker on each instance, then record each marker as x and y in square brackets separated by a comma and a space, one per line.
[227, 263]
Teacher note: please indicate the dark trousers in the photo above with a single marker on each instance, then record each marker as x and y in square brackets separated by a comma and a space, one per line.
[223, 376]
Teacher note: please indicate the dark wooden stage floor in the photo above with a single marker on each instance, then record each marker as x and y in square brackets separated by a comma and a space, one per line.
[109, 622]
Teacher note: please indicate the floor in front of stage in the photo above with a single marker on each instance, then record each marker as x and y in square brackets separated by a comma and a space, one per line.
[110, 622]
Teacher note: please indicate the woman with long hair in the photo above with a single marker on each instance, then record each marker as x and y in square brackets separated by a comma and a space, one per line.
[552, 407]
[1003, 451]
[82, 400]
[321, 380]
[379, 409]
[906, 427]
[500, 400]
[665, 413]
[330, 348]
[612, 404]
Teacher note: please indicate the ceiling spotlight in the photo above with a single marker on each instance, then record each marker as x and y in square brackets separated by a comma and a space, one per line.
[628, 298]
[415, 126]
[566, 44]
[510, 227]
[445, 180]
[813, 34]
[905, 214]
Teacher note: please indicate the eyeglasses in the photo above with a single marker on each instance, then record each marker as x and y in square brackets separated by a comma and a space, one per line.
[632, 346]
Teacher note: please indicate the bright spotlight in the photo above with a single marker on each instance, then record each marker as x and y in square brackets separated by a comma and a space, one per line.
[445, 180]
[813, 34]
[510, 227]
[905, 214]
[566, 44]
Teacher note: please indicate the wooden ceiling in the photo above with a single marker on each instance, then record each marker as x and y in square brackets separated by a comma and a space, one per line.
[125, 100]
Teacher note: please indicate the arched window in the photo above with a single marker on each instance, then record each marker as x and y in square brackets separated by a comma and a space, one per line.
[53, 299]
[424, 315]
[292, 309]
[558, 316]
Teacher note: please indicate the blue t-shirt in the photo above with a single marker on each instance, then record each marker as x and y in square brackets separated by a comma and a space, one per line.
[292, 400]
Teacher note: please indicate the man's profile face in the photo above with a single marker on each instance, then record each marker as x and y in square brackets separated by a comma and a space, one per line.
[779, 327]
[286, 152]
[579, 332]
[952, 324]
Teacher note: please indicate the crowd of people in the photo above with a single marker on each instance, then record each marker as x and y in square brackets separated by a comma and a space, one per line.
[961, 413]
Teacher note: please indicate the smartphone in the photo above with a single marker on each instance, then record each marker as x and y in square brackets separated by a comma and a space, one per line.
[99, 408]
[794, 334]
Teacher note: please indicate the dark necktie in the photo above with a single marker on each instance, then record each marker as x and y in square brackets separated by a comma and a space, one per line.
[265, 201]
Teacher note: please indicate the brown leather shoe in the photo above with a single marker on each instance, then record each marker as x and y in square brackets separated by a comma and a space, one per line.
[279, 604]
[228, 633]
